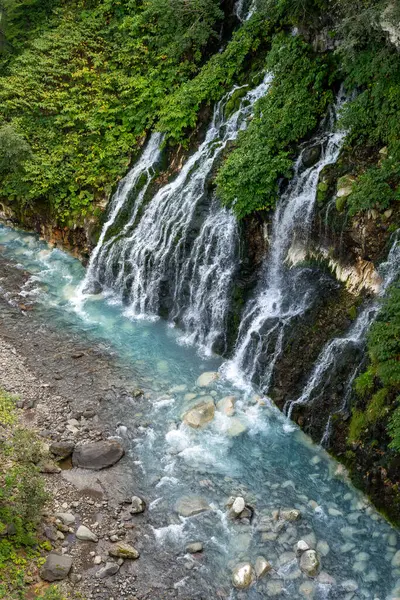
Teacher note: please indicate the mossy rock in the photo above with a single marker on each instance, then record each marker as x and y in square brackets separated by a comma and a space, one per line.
[341, 203]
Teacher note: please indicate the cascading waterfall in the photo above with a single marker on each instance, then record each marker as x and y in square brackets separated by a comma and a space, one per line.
[281, 296]
[209, 271]
[141, 173]
[170, 258]
[325, 366]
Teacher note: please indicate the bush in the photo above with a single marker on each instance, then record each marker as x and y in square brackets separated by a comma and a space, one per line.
[290, 111]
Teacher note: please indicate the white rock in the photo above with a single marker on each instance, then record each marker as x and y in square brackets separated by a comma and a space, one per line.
[227, 405]
[238, 505]
[301, 547]
[200, 415]
[84, 534]
[323, 548]
[97, 560]
[207, 378]
[236, 427]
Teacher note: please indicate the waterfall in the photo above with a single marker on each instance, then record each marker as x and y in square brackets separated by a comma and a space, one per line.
[281, 296]
[176, 254]
[325, 366]
[141, 173]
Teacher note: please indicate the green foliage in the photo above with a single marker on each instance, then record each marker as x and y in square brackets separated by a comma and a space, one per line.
[378, 386]
[394, 428]
[180, 110]
[86, 83]
[299, 95]
[14, 150]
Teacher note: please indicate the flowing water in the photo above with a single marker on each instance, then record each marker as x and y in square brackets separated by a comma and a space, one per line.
[256, 453]
[351, 344]
[284, 293]
[171, 257]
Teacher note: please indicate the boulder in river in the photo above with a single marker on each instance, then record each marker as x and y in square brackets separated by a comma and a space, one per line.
[310, 563]
[227, 406]
[207, 378]
[56, 567]
[188, 506]
[194, 547]
[200, 415]
[243, 576]
[290, 514]
[85, 535]
[109, 569]
[311, 156]
[236, 427]
[238, 506]
[123, 550]
[138, 505]
[262, 566]
[97, 455]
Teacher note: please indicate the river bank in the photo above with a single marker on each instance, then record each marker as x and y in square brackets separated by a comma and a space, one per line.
[64, 389]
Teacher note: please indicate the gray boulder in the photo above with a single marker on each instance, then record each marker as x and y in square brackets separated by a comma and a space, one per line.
[85, 535]
[188, 506]
[56, 567]
[108, 570]
[62, 450]
[97, 455]
[311, 156]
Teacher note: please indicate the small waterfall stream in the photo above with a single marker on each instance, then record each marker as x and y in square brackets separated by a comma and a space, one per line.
[324, 368]
[281, 296]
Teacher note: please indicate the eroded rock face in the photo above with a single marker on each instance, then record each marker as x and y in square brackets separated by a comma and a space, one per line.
[188, 506]
[243, 576]
[200, 415]
[97, 455]
[56, 567]
[310, 563]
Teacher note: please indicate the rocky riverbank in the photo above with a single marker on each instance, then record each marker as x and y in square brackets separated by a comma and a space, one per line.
[64, 390]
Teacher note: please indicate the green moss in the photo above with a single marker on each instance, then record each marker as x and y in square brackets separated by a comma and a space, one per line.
[358, 424]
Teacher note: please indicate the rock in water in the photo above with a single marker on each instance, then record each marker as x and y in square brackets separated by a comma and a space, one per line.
[200, 415]
[56, 567]
[238, 506]
[301, 547]
[309, 563]
[188, 506]
[243, 576]
[194, 547]
[138, 505]
[311, 156]
[123, 550]
[207, 378]
[108, 570]
[236, 427]
[291, 514]
[227, 406]
[262, 566]
[97, 455]
[85, 535]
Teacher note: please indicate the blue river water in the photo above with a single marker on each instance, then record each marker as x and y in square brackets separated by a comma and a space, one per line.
[255, 453]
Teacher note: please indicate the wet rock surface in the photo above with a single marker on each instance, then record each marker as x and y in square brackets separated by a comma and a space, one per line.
[97, 455]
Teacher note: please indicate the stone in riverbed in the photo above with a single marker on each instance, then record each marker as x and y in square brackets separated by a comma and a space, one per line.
[290, 514]
[396, 560]
[243, 576]
[109, 569]
[84, 534]
[309, 563]
[97, 455]
[62, 450]
[301, 547]
[238, 506]
[200, 415]
[188, 506]
[138, 505]
[56, 567]
[262, 566]
[227, 406]
[236, 427]
[66, 518]
[194, 547]
[123, 550]
[207, 378]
